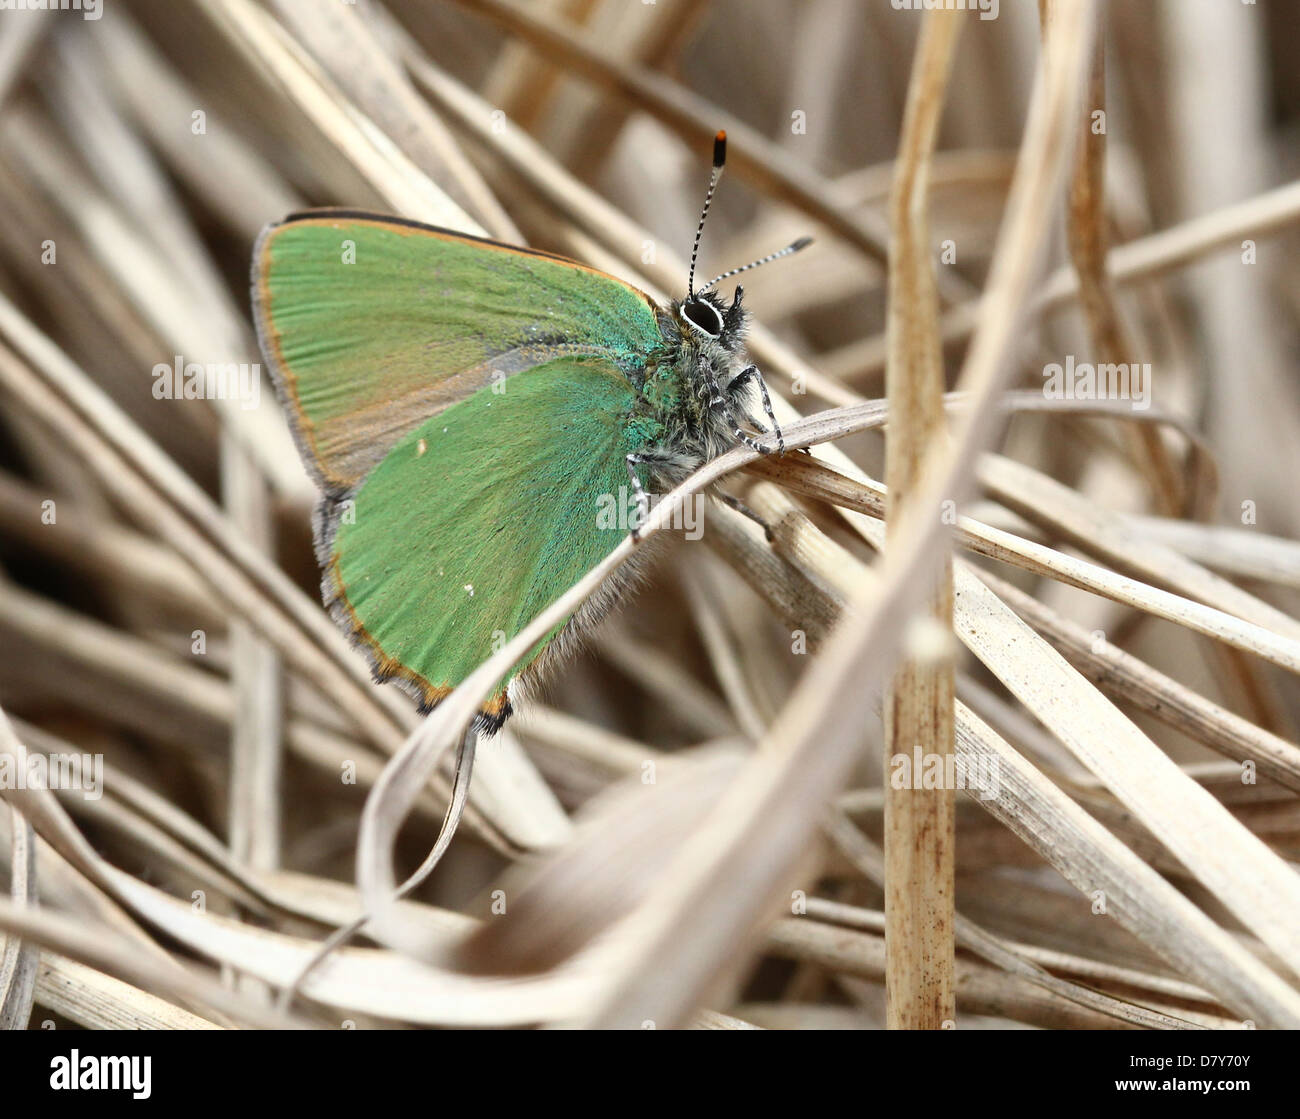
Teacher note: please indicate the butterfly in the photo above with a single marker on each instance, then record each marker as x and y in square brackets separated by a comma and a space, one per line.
[468, 409]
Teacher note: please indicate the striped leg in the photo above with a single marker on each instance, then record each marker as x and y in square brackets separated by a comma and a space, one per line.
[751, 372]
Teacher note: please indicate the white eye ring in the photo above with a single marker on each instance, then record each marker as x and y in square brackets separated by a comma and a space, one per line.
[693, 307]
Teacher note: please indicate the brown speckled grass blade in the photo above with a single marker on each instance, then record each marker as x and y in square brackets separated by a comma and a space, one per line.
[920, 823]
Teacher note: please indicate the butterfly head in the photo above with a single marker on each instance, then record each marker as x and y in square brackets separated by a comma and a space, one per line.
[707, 317]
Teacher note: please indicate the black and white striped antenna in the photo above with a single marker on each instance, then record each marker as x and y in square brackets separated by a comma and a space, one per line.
[789, 250]
[719, 159]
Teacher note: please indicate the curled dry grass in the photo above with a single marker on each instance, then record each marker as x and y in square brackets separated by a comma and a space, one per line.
[691, 827]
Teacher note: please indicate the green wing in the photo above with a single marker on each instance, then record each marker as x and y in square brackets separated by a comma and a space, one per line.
[372, 324]
[479, 518]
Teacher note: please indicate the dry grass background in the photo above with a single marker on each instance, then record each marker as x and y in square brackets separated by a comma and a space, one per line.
[1122, 584]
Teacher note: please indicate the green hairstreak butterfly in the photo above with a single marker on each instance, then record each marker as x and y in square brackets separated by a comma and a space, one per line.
[463, 405]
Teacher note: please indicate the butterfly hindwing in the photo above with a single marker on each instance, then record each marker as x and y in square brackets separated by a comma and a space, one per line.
[477, 519]
[372, 324]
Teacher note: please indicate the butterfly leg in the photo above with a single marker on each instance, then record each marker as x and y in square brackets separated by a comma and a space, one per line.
[740, 507]
[638, 490]
[751, 372]
[717, 400]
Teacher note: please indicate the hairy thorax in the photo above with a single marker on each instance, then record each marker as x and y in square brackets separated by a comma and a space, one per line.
[689, 404]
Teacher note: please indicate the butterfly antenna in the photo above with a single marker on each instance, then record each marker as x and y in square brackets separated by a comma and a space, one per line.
[719, 158]
[789, 250]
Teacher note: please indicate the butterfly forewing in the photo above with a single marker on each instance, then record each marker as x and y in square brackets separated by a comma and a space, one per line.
[372, 324]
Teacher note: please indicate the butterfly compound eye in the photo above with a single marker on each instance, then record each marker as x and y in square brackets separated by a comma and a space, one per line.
[703, 316]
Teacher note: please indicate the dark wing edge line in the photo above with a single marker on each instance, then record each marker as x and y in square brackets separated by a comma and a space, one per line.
[282, 378]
